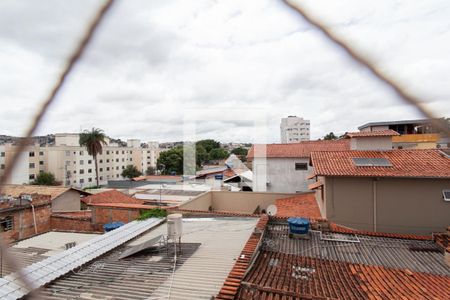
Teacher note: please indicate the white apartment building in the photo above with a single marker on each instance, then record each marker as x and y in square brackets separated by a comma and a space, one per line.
[294, 129]
[72, 165]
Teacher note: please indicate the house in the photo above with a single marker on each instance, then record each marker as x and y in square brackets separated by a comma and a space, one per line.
[62, 198]
[283, 168]
[399, 191]
[413, 134]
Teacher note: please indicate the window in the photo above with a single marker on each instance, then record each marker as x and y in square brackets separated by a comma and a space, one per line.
[75, 181]
[81, 180]
[67, 162]
[2, 154]
[89, 179]
[67, 153]
[301, 166]
[107, 152]
[41, 162]
[123, 167]
[81, 162]
[31, 154]
[107, 168]
[32, 177]
[131, 159]
[446, 194]
[117, 152]
[101, 178]
[123, 159]
[74, 171]
[2, 166]
[123, 152]
[89, 162]
[81, 152]
[89, 170]
[81, 171]
[101, 160]
[101, 169]
[6, 223]
[117, 175]
[117, 168]
[117, 160]
[371, 162]
[107, 160]
[31, 165]
[41, 153]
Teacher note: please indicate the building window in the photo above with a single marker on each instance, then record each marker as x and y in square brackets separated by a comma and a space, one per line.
[67, 153]
[41, 153]
[117, 175]
[81, 180]
[123, 167]
[41, 162]
[117, 152]
[81, 171]
[101, 178]
[75, 181]
[123, 152]
[446, 195]
[74, 171]
[6, 223]
[32, 176]
[123, 159]
[31, 154]
[89, 161]
[81, 152]
[117, 168]
[301, 166]
[2, 166]
[31, 165]
[81, 162]
[107, 160]
[101, 169]
[89, 179]
[117, 160]
[2, 154]
[89, 170]
[101, 160]
[107, 152]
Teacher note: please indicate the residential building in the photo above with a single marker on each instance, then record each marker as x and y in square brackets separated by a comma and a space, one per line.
[72, 165]
[414, 134]
[294, 129]
[401, 191]
[284, 168]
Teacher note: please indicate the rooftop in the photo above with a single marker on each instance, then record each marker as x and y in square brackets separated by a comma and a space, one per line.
[208, 252]
[378, 133]
[298, 150]
[110, 197]
[302, 205]
[15, 190]
[402, 122]
[340, 266]
[429, 163]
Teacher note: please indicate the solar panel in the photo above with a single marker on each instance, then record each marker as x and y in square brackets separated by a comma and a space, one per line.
[43, 272]
[145, 245]
[371, 162]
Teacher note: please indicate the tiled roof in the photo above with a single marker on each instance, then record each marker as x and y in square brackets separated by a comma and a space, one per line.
[303, 205]
[125, 205]
[430, 163]
[342, 229]
[112, 196]
[378, 133]
[15, 190]
[158, 178]
[299, 150]
[286, 276]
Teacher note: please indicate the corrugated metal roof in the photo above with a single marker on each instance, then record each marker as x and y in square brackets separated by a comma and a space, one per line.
[47, 270]
[416, 255]
[210, 247]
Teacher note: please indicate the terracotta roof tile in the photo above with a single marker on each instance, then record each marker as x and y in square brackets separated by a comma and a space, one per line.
[378, 133]
[125, 205]
[111, 196]
[277, 275]
[15, 190]
[430, 163]
[303, 205]
[302, 149]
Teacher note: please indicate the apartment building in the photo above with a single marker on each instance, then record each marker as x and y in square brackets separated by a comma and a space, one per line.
[294, 129]
[72, 165]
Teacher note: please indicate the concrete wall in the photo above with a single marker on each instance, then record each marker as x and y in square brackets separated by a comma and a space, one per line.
[402, 205]
[281, 175]
[68, 201]
[371, 143]
[239, 202]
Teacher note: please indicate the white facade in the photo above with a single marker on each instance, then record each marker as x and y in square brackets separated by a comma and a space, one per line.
[281, 175]
[294, 129]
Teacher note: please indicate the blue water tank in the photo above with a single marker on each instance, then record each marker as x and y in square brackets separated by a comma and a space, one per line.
[111, 226]
[298, 225]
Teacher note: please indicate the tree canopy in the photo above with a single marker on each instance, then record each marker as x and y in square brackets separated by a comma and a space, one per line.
[330, 136]
[131, 171]
[93, 141]
[240, 151]
[45, 178]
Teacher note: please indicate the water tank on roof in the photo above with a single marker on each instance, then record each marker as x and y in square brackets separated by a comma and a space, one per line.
[174, 226]
[111, 226]
[298, 226]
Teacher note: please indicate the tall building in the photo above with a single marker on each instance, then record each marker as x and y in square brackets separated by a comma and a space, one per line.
[72, 165]
[294, 129]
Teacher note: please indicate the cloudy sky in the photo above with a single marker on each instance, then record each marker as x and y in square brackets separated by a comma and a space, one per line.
[232, 68]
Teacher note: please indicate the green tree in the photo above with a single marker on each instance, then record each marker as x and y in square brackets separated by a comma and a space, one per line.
[208, 144]
[330, 136]
[131, 171]
[218, 154]
[93, 141]
[240, 151]
[150, 171]
[45, 178]
[171, 161]
[201, 155]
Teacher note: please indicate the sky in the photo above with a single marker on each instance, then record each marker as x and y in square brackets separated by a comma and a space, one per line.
[174, 70]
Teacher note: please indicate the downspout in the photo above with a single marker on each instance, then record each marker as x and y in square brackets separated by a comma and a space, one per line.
[34, 218]
[374, 188]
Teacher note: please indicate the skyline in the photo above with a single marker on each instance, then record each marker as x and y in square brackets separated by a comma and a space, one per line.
[152, 64]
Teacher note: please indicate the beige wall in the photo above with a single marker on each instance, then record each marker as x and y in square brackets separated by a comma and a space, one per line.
[402, 205]
[68, 201]
[240, 202]
[371, 143]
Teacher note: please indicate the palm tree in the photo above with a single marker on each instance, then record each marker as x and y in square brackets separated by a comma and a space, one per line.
[93, 141]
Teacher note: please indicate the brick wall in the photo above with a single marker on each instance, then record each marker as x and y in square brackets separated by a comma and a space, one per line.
[104, 215]
[79, 221]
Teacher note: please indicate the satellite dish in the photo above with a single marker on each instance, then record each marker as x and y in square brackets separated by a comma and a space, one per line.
[272, 210]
